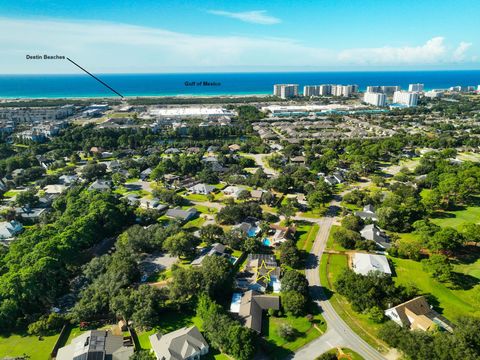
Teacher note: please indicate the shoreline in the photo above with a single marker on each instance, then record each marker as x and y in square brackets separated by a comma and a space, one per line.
[129, 97]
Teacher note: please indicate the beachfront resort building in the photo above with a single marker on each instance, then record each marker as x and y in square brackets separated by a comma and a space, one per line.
[285, 90]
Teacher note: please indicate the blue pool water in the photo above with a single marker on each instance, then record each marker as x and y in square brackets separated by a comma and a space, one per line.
[266, 242]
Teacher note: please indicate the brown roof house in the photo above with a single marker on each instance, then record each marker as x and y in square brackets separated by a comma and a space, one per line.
[96, 344]
[182, 344]
[417, 314]
[250, 306]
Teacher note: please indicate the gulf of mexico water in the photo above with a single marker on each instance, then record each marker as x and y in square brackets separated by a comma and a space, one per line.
[82, 85]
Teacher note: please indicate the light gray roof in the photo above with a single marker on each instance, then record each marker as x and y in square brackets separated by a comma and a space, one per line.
[179, 344]
[364, 263]
[96, 345]
[372, 232]
[181, 214]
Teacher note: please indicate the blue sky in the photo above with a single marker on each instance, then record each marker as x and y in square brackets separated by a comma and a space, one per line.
[168, 36]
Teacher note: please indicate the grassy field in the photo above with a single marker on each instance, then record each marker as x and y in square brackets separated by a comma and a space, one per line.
[305, 235]
[456, 219]
[20, 344]
[452, 303]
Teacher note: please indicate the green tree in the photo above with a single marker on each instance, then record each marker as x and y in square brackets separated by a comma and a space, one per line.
[294, 303]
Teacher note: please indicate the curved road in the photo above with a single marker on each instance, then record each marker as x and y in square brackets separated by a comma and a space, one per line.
[338, 332]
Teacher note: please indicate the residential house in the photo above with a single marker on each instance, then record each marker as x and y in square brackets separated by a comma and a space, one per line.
[100, 185]
[68, 179]
[172, 151]
[202, 189]
[250, 306]
[30, 214]
[280, 234]
[182, 344]
[234, 147]
[96, 344]
[365, 263]
[9, 229]
[374, 233]
[216, 249]
[257, 194]
[298, 160]
[56, 189]
[182, 215]
[145, 174]
[368, 213]
[233, 191]
[261, 271]
[417, 314]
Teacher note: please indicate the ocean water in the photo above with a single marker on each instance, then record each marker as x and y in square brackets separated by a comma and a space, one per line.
[82, 85]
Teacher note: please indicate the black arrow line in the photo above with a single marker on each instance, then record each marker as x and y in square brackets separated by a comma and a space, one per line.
[93, 76]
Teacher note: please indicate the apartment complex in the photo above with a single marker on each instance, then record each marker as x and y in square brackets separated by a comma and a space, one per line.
[375, 98]
[407, 98]
[33, 114]
[285, 90]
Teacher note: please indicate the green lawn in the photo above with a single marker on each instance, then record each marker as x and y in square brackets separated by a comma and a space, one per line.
[456, 219]
[195, 223]
[452, 303]
[278, 347]
[20, 344]
[305, 235]
[331, 244]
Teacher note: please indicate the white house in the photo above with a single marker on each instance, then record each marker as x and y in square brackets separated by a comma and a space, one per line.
[202, 189]
[365, 263]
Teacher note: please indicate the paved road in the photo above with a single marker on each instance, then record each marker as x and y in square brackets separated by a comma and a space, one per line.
[338, 333]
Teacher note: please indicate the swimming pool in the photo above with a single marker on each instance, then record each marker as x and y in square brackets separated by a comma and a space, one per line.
[266, 242]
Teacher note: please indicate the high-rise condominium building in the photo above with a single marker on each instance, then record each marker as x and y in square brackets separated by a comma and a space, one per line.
[415, 87]
[285, 90]
[325, 89]
[375, 98]
[311, 90]
[408, 98]
[388, 90]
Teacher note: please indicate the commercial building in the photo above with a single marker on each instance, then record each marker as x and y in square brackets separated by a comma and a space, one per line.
[407, 98]
[416, 87]
[285, 90]
[375, 99]
[190, 112]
